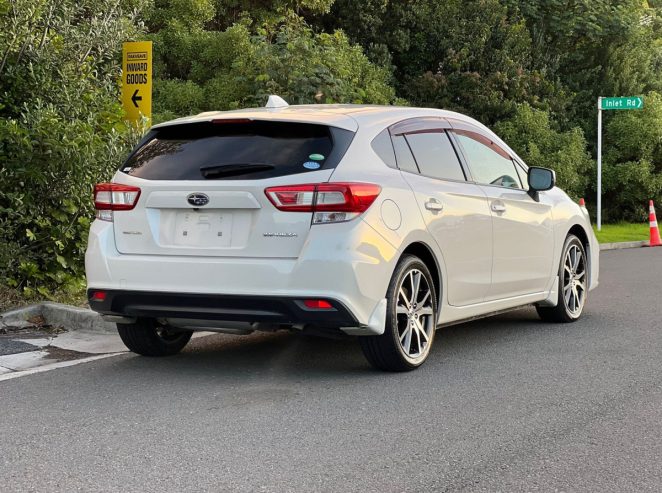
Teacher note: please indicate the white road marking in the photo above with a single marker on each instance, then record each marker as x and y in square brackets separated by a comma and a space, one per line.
[53, 366]
[31, 362]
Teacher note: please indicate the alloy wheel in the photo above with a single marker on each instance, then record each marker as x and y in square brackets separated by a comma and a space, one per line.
[574, 280]
[415, 315]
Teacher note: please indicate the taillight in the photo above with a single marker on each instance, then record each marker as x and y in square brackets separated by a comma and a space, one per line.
[329, 202]
[293, 198]
[109, 197]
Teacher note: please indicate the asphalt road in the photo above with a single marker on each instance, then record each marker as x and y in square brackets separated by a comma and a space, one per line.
[503, 404]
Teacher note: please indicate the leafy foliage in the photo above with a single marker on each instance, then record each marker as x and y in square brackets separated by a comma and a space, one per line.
[236, 68]
[61, 131]
[530, 133]
[605, 48]
[473, 57]
[633, 160]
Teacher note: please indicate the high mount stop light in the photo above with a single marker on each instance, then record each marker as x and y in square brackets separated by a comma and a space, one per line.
[109, 197]
[329, 202]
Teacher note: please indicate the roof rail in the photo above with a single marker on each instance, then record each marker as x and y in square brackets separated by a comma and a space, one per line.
[276, 102]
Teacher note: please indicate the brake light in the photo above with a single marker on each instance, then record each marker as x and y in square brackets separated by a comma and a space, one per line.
[230, 121]
[109, 197]
[330, 202]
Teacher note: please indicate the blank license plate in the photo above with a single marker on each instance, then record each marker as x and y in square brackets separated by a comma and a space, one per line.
[203, 229]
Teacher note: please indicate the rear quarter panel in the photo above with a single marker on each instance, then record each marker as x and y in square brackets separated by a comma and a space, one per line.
[395, 215]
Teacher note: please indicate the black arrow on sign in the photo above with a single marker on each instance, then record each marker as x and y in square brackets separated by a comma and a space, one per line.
[135, 98]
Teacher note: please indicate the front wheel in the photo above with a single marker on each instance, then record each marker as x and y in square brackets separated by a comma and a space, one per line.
[410, 320]
[147, 337]
[573, 283]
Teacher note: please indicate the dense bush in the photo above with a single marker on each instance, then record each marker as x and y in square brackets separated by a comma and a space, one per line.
[633, 160]
[238, 68]
[530, 133]
[61, 131]
[470, 56]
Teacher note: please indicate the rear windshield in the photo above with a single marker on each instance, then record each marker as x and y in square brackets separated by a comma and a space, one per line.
[237, 150]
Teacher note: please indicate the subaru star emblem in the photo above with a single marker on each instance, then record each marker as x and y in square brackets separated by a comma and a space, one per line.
[198, 199]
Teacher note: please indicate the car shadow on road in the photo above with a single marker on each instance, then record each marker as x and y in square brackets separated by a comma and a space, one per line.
[274, 354]
[468, 336]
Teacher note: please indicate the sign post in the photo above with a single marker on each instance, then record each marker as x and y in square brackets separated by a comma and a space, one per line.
[137, 80]
[608, 104]
[599, 164]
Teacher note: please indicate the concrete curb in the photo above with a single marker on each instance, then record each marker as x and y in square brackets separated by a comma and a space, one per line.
[57, 315]
[622, 245]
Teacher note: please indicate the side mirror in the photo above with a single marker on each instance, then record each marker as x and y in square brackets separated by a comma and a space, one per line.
[540, 179]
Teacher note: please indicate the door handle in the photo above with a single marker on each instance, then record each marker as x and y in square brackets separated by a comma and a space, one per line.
[434, 206]
[498, 207]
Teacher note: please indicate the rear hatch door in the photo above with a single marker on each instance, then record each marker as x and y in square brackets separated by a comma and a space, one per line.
[202, 187]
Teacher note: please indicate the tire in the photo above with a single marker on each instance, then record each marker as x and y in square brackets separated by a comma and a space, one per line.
[149, 338]
[403, 345]
[572, 288]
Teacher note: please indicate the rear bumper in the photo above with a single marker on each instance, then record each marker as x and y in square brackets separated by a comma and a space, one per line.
[348, 264]
[253, 309]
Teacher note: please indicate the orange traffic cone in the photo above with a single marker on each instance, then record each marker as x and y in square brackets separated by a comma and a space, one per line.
[655, 232]
[582, 203]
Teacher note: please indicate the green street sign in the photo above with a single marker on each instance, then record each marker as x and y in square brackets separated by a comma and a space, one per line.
[625, 103]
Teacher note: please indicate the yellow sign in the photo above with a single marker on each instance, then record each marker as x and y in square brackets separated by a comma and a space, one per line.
[137, 80]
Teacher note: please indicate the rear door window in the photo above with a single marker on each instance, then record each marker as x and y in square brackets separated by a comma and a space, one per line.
[403, 154]
[237, 150]
[435, 155]
[383, 147]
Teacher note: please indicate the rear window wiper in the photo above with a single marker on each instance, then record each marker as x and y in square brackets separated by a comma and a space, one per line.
[222, 170]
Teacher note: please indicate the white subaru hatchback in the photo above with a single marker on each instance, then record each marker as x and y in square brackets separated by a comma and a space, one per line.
[384, 223]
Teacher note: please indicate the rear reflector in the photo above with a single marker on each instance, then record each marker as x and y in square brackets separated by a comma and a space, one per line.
[110, 197]
[99, 296]
[331, 202]
[318, 304]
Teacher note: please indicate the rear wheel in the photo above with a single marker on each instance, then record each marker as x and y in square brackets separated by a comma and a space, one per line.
[147, 337]
[573, 282]
[410, 320]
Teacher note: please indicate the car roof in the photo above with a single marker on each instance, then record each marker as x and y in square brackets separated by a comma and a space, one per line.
[347, 116]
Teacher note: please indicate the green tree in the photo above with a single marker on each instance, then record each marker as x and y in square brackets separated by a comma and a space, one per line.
[200, 69]
[605, 48]
[470, 56]
[632, 159]
[531, 133]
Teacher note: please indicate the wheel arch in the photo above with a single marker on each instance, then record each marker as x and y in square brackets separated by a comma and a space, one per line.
[424, 252]
[579, 231]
